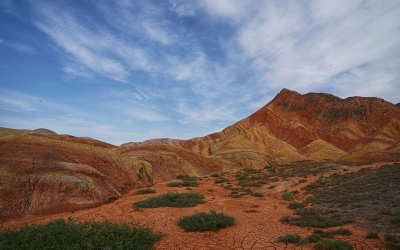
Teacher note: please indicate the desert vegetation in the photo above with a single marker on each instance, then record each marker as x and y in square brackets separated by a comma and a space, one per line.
[203, 221]
[190, 199]
[146, 191]
[321, 242]
[370, 195]
[61, 234]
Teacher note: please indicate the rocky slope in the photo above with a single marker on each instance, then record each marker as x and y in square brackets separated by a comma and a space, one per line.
[41, 175]
[313, 126]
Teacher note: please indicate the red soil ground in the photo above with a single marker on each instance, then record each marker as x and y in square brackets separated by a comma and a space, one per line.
[256, 219]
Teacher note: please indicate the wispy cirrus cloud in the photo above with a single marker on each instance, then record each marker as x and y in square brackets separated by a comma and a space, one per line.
[304, 46]
[196, 64]
[89, 46]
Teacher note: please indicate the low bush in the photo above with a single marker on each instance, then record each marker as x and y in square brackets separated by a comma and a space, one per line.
[324, 234]
[313, 218]
[183, 184]
[146, 191]
[288, 195]
[290, 238]
[372, 235]
[395, 220]
[342, 231]
[392, 242]
[296, 205]
[313, 238]
[61, 234]
[330, 244]
[190, 199]
[212, 221]
[255, 194]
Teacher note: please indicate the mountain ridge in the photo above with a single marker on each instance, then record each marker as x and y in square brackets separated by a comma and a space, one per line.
[42, 169]
[285, 128]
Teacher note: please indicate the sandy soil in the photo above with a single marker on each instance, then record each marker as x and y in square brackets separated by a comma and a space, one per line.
[256, 219]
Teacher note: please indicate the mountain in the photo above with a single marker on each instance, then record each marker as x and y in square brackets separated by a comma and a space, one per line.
[48, 173]
[292, 127]
[43, 172]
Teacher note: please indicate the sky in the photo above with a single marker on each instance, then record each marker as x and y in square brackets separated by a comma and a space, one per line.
[122, 71]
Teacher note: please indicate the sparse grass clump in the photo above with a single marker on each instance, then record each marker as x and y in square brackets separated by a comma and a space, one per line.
[372, 235]
[296, 205]
[324, 234]
[255, 194]
[392, 242]
[395, 220]
[146, 191]
[212, 221]
[313, 238]
[190, 199]
[61, 234]
[313, 218]
[321, 241]
[287, 195]
[187, 181]
[330, 244]
[342, 231]
[290, 238]
[183, 184]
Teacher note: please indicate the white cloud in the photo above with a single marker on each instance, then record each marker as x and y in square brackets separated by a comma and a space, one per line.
[93, 47]
[17, 102]
[156, 33]
[304, 46]
[21, 47]
[184, 8]
[201, 114]
[138, 110]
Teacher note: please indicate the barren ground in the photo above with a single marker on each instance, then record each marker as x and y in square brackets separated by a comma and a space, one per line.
[256, 219]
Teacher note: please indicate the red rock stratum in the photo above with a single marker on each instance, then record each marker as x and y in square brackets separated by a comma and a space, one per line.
[313, 126]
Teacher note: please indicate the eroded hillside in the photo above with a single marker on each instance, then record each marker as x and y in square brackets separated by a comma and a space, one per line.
[313, 126]
[41, 175]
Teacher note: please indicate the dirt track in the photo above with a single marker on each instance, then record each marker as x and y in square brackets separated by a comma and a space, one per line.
[256, 220]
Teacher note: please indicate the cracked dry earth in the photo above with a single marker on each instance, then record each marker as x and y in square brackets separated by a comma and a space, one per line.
[256, 220]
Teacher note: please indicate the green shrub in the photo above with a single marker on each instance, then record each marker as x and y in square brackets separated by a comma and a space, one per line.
[61, 234]
[311, 217]
[220, 180]
[235, 195]
[329, 244]
[190, 199]
[392, 242]
[205, 221]
[395, 220]
[296, 205]
[189, 178]
[393, 245]
[146, 191]
[342, 231]
[324, 234]
[372, 235]
[183, 184]
[290, 238]
[288, 195]
[180, 176]
[313, 238]
[255, 194]
[215, 175]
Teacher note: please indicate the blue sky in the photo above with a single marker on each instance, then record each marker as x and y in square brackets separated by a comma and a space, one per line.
[122, 71]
